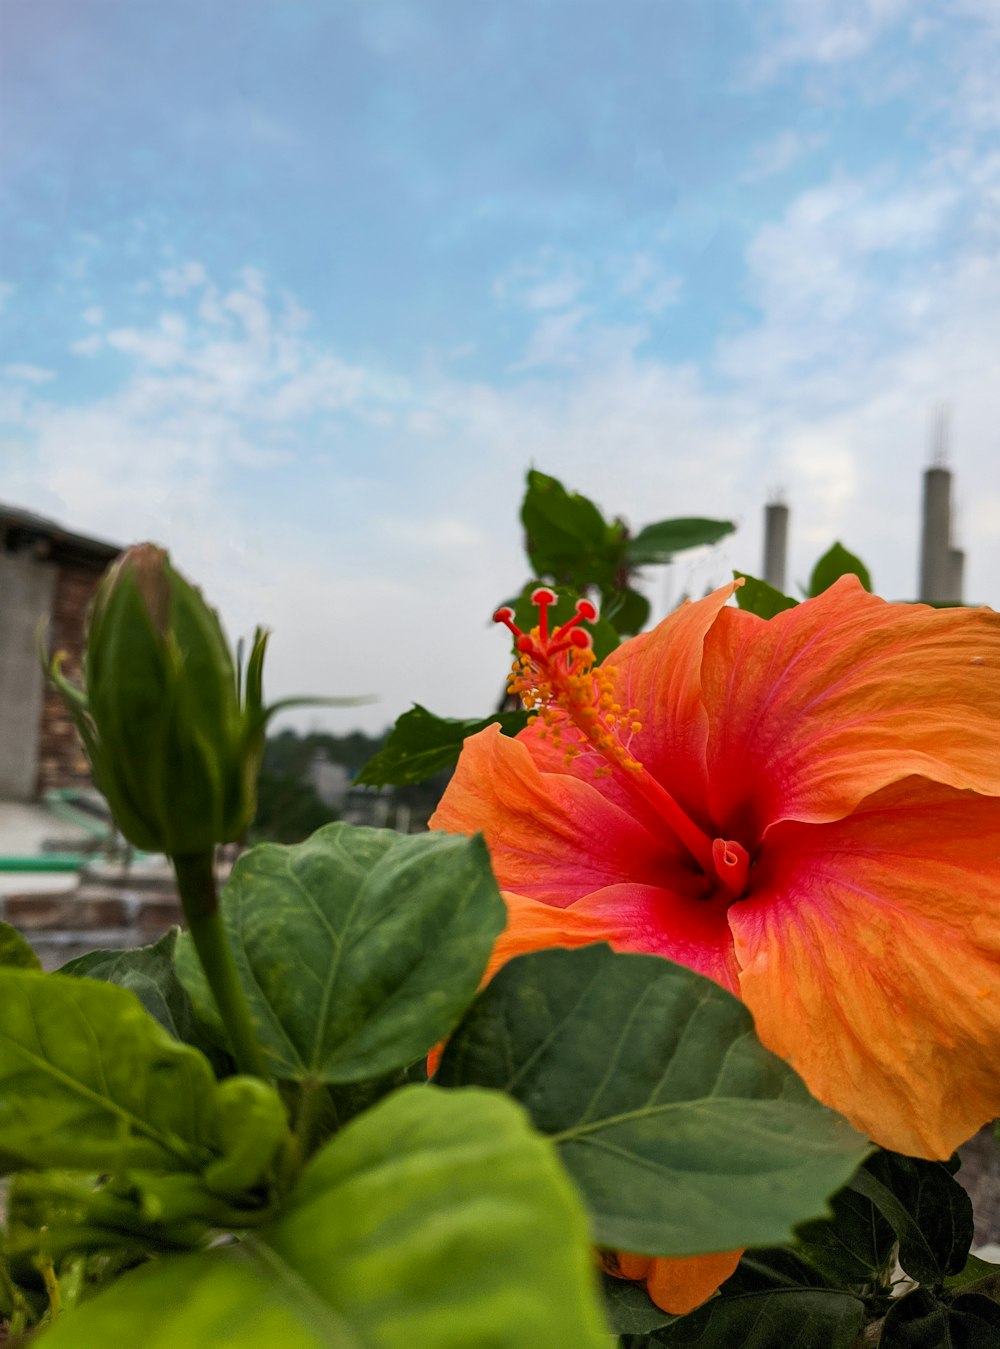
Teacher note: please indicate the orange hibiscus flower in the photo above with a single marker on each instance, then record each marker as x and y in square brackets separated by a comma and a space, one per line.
[806, 810]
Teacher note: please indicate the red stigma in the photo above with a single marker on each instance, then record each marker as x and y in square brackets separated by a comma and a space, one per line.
[540, 645]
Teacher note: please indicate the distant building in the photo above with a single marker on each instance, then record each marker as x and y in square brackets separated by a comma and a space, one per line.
[942, 565]
[46, 573]
[775, 543]
[330, 781]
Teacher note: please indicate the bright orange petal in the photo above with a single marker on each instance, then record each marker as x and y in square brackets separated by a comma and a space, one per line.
[870, 955]
[826, 703]
[642, 918]
[677, 1284]
[659, 674]
[550, 835]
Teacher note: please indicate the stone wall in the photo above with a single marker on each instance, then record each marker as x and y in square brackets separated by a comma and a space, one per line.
[27, 588]
[111, 908]
[61, 762]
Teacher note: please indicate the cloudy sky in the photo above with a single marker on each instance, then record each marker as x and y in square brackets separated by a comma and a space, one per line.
[301, 288]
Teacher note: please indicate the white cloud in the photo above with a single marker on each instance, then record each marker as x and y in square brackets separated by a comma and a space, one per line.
[182, 277]
[546, 281]
[781, 152]
[28, 374]
[823, 32]
[643, 278]
[370, 516]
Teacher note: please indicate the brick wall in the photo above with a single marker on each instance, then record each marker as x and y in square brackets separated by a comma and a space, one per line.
[61, 762]
[108, 909]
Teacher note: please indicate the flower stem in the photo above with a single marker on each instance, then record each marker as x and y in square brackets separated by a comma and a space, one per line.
[199, 896]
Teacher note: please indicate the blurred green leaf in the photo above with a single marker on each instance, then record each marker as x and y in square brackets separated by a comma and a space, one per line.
[832, 565]
[15, 950]
[682, 1132]
[148, 971]
[437, 1219]
[763, 1270]
[757, 597]
[358, 949]
[659, 542]
[422, 744]
[629, 1308]
[88, 1079]
[800, 1318]
[567, 537]
[983, 1273]
[920, 1321]
[626, 610]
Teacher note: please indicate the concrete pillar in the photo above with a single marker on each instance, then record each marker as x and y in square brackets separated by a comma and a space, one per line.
[775, 543]
[941, 566]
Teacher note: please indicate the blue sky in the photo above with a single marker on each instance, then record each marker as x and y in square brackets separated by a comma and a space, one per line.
[301, 289]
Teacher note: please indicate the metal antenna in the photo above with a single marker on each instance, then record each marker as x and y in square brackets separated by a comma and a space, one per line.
[940, 436]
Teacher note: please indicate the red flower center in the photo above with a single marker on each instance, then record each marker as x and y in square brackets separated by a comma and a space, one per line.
[555, 676]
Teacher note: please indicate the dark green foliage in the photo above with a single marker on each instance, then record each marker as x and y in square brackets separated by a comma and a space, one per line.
[854, 1247]
[699, 1140]
[567, 538]
[834, 563]
[421, 744]
[15, 950]
[385, 938]
[658, 543]
[149, 973]
[757, 597]
[927, 1209]
[288, 810]
[922, 1321]
[783, 1318]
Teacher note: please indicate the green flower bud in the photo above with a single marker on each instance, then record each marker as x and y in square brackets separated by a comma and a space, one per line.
[174, 731]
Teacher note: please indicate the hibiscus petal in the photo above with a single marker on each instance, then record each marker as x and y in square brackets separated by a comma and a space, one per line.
[659, 674]
[552, 834]
[676, 1284]
[826, 703]
[645, 918]
[870, 955]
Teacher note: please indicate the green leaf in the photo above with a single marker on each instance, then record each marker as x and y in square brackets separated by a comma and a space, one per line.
[983, 1274]
[629, 1308]
[626, 610]
[920, 1321]
[757, 597]
[149, 972]
[683, 1134]
[832, 565]
[15, 950]
[766, 1270]
[88, 1079]
[801, 1318]
[437, 1220]
[604, 635]
[422, 744]
[659, 542]
[567, 537]
[855, 1246]
[357, 950]
[927, 1208]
